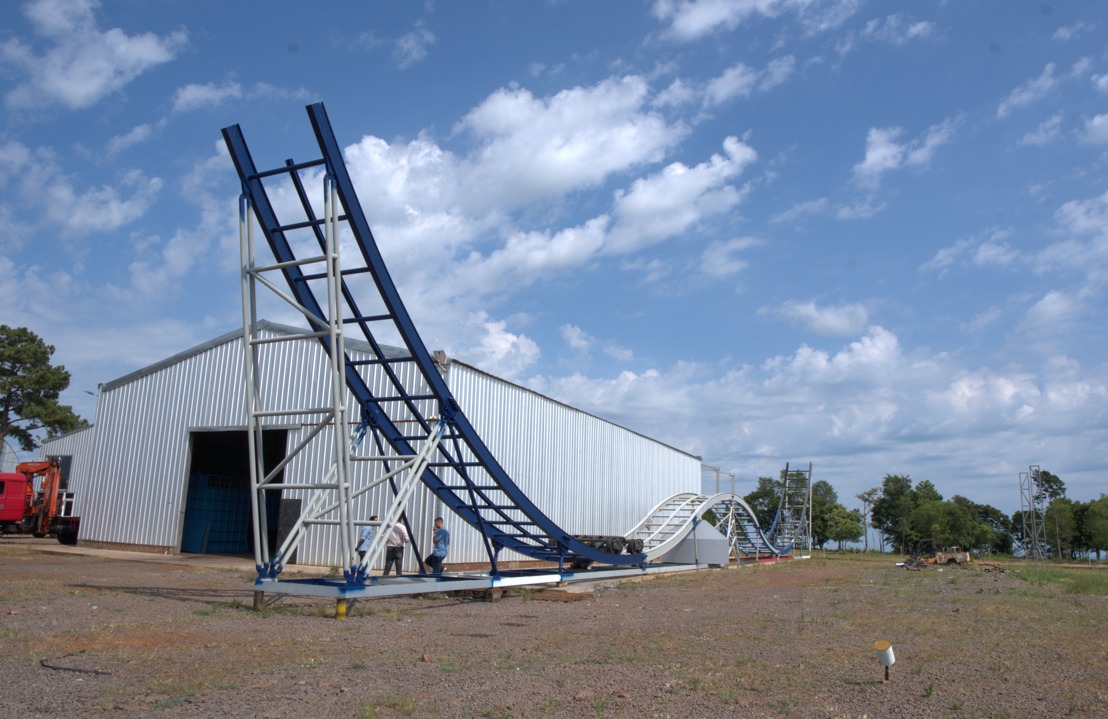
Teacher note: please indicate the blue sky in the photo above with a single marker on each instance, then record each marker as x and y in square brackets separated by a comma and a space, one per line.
[869, 235]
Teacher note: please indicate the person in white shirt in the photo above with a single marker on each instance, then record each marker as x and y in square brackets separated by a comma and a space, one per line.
[394, 548]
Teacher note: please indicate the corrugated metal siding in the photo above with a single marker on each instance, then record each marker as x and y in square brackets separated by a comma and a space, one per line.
[79, 445]
[140, 465]
[590, 476]
[587, 474]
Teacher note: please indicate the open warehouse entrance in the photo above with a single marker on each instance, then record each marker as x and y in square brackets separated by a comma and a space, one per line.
[217, 506]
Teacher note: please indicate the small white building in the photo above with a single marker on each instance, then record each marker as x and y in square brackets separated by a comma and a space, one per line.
[165, 466]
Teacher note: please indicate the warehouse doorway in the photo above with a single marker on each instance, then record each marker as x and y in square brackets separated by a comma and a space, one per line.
[217, 504]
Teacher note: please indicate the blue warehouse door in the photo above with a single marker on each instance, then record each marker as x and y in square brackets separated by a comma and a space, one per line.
[217, 506]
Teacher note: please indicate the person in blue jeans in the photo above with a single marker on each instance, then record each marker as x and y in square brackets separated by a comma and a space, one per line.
[441, 540]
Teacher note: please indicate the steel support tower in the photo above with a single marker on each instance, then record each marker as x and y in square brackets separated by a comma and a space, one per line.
[1033, 514]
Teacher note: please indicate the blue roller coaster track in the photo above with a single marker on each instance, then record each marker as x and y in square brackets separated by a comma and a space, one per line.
[413, 411]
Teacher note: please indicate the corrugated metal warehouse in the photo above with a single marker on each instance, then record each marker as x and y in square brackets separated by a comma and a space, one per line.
[165, 468]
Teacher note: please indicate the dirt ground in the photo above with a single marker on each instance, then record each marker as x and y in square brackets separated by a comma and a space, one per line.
[93, 636]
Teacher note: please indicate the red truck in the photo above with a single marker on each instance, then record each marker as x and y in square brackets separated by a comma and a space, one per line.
[40, 512]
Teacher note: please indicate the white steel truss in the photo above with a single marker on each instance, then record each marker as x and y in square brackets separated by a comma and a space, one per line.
[328, 500]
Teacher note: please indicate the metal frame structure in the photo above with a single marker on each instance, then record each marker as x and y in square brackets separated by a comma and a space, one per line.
[1034, 516]
[792, 526]
[409, 424]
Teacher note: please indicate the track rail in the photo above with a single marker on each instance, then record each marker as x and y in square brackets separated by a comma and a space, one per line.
[667, 525]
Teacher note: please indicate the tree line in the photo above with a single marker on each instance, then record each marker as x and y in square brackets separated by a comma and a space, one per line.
[907, 514]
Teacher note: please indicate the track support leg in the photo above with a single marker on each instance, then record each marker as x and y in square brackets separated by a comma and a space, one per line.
[340, 609]
[259, 600]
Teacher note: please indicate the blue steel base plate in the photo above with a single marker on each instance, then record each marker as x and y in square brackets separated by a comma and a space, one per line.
[393, 586]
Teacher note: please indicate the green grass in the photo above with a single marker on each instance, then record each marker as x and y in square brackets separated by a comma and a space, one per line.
[401, 703]
[1071, 581]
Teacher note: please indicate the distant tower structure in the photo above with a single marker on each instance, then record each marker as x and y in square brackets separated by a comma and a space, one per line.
[794, 515]
[712, 469]
[1033, 514]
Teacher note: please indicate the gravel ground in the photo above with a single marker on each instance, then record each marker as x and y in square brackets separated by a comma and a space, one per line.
[92, 636]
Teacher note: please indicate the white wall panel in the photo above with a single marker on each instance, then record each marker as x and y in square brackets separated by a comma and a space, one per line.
[79, 446]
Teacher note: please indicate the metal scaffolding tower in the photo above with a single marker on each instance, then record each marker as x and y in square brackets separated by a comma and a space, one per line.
[792, 527]
[1033, 535]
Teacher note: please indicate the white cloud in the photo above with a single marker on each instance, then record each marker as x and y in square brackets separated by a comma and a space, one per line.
[975, 393]
[841, 320]
[983, 320]
[995, 253]
[413, 47]
[1054, 312]
[78, 211]
[137, 135]
[740, 80]
[82, 64]
[667, 203]
[1030, 92]
[1069, 32]
[619, 352]
[677, 94]
[884, 153]
[869, 361]
[987, 248]
[1081, 68]
[533, 148]
[1085, 248]
[527, 256]
[1085, 216]
[1048, 131]
[446, 221]
[1100, 82]
[860, 210]
[894, 29]
[897, 30]
[194, 96]
[736, 81]
[160, 264]
[693, 19]
[946, 256]
[103, 208]
[721, 259]
[777, 72]
[1096, 130]
[579, 340]
[576, 337]
[501, 352]
[798, 210]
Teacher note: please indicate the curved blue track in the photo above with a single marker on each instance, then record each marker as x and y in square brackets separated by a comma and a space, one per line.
[465, 475]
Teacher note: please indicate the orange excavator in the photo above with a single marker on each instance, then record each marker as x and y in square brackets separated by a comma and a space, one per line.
[38, 512]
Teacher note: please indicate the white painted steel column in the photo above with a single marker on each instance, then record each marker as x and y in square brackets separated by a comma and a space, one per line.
[250, 368]
[338, 368]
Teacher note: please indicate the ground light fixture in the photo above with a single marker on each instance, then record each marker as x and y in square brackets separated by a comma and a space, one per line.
[885, 657]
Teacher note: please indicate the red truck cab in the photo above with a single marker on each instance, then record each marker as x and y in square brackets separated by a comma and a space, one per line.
[14, 491]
